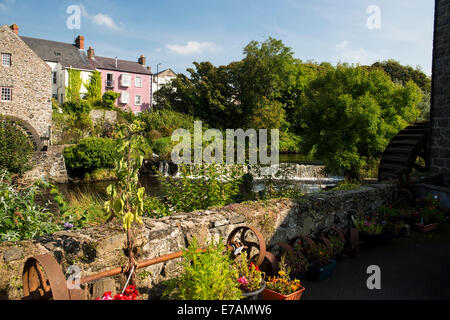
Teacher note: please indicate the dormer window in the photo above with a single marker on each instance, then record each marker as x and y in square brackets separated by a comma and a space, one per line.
[6, 59]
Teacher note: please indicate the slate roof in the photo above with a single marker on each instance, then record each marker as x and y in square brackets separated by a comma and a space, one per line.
[122, 65]
[67, 54]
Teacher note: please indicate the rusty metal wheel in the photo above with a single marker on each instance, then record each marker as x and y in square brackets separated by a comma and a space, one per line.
[249, 240]
[304, 242]
[43, 279]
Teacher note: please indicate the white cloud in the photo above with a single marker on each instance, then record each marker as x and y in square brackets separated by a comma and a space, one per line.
[100, 19]
[345, 53]
[193, 47]
[4, 5]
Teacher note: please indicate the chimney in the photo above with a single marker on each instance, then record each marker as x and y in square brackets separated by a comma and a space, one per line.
[116, 62]
[79, 42]
[90, 53]
[15, 28]
[141, 60]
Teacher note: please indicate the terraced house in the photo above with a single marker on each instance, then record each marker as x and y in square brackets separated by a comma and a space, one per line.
[132, 79]
[61, 57]
[129, 78]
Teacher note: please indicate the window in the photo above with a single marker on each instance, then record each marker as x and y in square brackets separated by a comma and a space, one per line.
[125, 80]
[137, 100]
[109, 80]
[6, 59]
[138, 82]
[6, 94]
[55, 78]
[124, 97]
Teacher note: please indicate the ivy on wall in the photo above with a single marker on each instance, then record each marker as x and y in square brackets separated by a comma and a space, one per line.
[94, 86]
[74, 87]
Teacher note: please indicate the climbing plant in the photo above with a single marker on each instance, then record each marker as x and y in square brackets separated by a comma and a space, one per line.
[74, 87]
[94, 86]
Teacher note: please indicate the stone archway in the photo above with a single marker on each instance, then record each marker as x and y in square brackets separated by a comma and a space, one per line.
[28, 129]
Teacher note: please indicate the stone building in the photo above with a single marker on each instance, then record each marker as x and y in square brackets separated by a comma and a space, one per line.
[26, 91]
[25, 81]
[439, 155]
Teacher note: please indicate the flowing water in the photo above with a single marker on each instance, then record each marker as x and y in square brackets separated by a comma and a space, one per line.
[296, 169]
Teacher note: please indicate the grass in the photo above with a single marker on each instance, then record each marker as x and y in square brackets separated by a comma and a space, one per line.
[85, 210]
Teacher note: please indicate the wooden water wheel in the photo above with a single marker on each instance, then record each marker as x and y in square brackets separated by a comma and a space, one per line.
[399, 158]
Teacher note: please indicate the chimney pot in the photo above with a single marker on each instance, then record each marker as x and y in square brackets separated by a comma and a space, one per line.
[141, 60]
[91, 53]
[15, 28]
[79, 42]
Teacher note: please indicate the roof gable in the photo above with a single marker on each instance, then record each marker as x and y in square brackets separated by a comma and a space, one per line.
[67, 54]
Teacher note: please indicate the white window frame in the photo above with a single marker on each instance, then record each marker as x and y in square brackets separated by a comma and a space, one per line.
[124, 97]
[10, 94]
[140, 100]
[125, 80]
[136, 84]
[3, 59]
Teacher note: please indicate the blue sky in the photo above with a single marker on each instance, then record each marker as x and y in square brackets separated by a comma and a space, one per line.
[177, 32]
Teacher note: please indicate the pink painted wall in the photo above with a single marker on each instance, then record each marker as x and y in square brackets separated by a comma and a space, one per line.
[144, 92]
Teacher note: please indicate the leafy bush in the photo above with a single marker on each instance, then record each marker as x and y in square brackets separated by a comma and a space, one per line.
[205, 275]
[109, 99]
[20, 216]
[162, 146]
[90, 154]
[155, 208]
[16, 149]
[200, 187]
[77, 106]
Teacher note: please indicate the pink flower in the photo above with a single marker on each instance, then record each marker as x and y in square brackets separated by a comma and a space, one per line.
[243, 280]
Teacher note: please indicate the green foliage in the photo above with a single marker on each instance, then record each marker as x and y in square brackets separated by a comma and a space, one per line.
[429, 210]
[404, 74]
[320, 254]
[205, 275]
[90, 154]
[16, 149]
[126, 199]
[347, 185]
[84, 210]
[351, 113]
[247, 274]
[280, 186]
[155, 208]
[109, 99]
[75, 83]
[77, 106]
[55, 104]
[21, 217]
[94, 86]
[201, 186]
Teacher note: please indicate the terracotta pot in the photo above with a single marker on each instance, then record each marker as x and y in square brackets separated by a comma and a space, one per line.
[426, 227]
[268, 294]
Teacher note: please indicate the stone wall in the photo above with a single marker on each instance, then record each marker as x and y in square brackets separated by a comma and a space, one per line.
[30, 79]
[48, 165]
[439, 157]
[100, 248]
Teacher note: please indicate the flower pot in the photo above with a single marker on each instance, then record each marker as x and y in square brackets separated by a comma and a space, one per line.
[426, 227]
[268, 294]
[254, 294]
[320, 273]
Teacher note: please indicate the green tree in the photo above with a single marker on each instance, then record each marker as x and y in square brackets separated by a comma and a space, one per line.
[351, 113]
[16, 149]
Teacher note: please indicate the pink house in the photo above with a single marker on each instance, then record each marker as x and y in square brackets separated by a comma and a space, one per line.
[133, 80]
